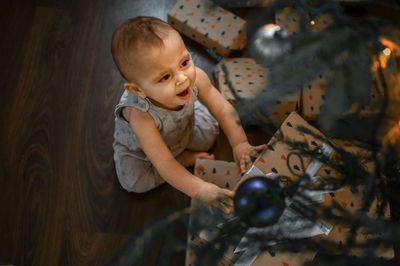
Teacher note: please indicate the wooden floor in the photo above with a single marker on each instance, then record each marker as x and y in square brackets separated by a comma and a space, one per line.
[60, 201]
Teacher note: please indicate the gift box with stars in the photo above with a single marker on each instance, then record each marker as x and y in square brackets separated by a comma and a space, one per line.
[209, 25]
[243, 78]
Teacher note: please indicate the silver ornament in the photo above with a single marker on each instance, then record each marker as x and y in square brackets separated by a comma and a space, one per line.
[269, 44]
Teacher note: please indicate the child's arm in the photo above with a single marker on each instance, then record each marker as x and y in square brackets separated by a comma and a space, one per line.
[167, 166]
[228, 119]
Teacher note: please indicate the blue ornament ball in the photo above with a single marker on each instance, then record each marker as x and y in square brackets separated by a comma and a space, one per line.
[259, 202]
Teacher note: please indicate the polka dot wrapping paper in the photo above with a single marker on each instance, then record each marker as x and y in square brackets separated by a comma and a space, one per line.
[320, 22]
[294, 21]
[245, 74]
[284, 259]
[312, 96]
[223, 174]
[211, 26]
[274, 160]
[248, 79]
[290, 19]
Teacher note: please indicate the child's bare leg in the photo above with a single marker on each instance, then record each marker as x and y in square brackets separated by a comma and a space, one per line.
[189, 157]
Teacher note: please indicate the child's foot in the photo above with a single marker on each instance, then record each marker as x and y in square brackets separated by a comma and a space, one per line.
[189, 157]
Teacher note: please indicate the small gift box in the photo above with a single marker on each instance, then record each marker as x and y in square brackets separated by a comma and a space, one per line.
[320, 22]
[294, 21]
[290, 19]
[223, 174]
[243, 78]
[313, 95]
[209, 25]
[246, 76]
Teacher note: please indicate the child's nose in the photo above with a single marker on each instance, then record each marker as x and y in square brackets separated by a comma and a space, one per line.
[181, 78]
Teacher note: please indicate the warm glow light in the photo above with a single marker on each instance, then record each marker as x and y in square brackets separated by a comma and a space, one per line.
[312, 22]
[386, 51]
[393, 135]
[389, 44]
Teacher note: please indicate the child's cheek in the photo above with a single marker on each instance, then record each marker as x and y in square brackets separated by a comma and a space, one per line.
[192, 73]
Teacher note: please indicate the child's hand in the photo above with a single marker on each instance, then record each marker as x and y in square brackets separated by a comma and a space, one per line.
[242, 154]
[210, 193]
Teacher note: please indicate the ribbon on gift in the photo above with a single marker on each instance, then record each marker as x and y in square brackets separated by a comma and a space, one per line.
[313, 167]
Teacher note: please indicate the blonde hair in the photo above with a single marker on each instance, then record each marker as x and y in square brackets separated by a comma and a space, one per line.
[132, 36]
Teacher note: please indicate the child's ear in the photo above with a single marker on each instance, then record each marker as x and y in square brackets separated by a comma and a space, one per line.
[132, 88]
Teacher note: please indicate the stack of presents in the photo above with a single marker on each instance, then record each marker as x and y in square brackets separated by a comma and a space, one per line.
[223, 32]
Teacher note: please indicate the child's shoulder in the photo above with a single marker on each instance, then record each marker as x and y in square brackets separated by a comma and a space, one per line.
[132, 114]
[202, 80]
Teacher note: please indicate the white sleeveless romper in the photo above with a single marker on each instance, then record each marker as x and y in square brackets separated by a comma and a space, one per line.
[192, 127]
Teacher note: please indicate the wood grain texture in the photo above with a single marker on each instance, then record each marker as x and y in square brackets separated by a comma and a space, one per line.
[60, 200]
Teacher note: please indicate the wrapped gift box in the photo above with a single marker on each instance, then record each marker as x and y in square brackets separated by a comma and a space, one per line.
[313, 95]
[274, 160]
[247, 78]
[209, 25]
[294, 21]
[320, 22]
[290, 19]
[223, 174]
[245, 74]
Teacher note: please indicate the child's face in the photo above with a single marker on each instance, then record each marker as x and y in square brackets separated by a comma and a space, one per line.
[166, 75]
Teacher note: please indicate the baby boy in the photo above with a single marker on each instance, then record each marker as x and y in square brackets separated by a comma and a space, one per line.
[161, 127]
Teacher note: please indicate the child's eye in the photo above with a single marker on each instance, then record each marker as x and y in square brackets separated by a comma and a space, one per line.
[185, 63]
[164, 78]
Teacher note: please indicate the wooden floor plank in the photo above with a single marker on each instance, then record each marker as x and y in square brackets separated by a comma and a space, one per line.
[31, 131]
[61, 202]
[83, 248]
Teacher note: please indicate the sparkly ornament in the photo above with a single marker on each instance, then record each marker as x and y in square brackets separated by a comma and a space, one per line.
[259, 201]
[269, 44]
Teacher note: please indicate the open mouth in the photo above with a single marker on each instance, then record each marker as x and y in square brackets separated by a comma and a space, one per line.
[184, 93]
